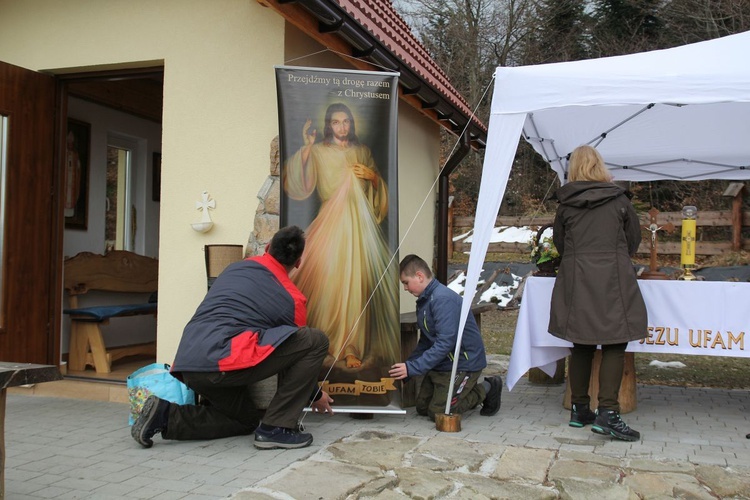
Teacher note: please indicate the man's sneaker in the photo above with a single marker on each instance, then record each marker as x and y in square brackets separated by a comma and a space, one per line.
[491, 403]
[609, 423]
[151, 420]
[581, 415]
[281, 437]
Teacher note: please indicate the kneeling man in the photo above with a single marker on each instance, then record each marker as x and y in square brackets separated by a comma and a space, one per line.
[250, 326]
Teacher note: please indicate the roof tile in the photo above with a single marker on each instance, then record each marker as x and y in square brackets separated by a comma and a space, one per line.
[386, 24]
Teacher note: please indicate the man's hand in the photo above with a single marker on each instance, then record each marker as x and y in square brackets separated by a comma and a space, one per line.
[365, 172]
[323, 405]
[398, 371]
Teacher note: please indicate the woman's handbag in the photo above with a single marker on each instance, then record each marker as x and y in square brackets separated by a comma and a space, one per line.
[155, 380]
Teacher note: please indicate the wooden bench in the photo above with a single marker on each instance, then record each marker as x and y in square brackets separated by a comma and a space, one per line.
[13, 375]
[409, 339]
[118, 271]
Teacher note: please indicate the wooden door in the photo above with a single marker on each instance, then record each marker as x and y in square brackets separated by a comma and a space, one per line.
[30, 296]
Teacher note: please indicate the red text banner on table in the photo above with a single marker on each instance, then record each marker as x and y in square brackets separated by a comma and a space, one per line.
[707, 318]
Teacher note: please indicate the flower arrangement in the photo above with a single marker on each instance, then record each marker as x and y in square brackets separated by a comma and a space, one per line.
[545, 251]
[544, 254]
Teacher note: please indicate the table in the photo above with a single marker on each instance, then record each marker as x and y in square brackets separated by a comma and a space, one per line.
[684, 317]
[13, 375]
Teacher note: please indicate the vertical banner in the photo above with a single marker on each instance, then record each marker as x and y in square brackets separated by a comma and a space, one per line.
[338, 144]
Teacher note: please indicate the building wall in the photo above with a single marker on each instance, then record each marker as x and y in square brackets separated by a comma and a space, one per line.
[419, 165]
[218, 122]
[219, 110]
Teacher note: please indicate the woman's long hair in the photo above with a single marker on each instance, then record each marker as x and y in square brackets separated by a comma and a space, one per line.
[586, 164]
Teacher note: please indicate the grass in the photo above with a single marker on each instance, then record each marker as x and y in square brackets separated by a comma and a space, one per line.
[498, 328]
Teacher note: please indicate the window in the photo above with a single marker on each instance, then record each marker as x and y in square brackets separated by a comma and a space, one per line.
[120, 223]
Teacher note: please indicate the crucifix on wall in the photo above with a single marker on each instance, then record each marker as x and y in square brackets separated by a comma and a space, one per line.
[653, 273]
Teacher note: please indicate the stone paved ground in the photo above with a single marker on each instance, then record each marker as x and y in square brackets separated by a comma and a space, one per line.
[693, 446]
[389, 465]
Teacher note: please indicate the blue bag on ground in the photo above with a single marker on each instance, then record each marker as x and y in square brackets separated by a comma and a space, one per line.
[155, 380]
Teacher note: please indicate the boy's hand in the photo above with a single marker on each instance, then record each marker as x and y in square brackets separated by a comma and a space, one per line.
[398, 371]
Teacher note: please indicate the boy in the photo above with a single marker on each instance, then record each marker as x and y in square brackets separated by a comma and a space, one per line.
[438, 313]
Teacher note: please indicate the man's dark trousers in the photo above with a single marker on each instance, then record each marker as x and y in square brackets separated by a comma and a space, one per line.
[231, 411]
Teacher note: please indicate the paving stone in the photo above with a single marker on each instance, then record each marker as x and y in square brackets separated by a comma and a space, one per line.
[387, 495]
[495, 488]
[253, 495]
[661, 466]
[377, 486]
[51, 439]
[375, 449]
[725, 481]
[574, 489]
[584, 471]
[447, 453]
[530, 464]
[666, 484]
[314, 479]
[421, 484]
[469, 494]
[588, 457]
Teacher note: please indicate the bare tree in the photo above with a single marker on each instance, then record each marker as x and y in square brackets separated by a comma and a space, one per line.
[688, 21]
[469, 39]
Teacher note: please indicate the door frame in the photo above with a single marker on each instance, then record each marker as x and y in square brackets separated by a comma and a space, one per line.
[63, 81]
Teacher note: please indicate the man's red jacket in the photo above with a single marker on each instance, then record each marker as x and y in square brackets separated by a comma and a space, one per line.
[251, 308]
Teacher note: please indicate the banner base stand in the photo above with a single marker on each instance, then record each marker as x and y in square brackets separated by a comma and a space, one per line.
[447, 422]
[363, 410]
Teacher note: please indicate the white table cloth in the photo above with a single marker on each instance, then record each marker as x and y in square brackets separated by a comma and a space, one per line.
[684, 317]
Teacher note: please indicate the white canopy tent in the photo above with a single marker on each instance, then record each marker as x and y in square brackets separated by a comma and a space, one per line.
[680, 113]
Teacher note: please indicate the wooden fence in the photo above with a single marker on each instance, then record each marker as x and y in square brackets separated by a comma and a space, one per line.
[667, 244]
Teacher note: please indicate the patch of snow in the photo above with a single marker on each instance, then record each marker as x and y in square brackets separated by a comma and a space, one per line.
[667, 364]
[500, 295]
[506, 234]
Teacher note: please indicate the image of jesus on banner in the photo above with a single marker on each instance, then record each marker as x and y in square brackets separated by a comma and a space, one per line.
[343, 274]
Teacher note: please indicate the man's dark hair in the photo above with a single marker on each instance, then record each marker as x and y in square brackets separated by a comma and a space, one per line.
[287, 245]
[328, 131]
[413, 263]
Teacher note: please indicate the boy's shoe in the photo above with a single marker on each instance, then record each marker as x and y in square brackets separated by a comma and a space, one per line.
[581, 415]
[281, 437]
[491, 403]
[609, 423]
[151, 420]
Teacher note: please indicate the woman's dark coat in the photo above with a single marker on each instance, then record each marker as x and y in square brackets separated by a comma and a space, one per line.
[596, 299]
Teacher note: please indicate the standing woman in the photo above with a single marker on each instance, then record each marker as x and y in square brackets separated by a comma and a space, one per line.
[596, 299]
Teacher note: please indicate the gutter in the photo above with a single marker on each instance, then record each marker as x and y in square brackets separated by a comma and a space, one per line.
[441, 268]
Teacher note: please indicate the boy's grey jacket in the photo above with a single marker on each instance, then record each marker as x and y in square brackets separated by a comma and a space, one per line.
[438, 312]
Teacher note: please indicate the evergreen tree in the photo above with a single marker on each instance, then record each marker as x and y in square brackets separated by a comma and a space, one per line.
[625, 26]
[559, 33]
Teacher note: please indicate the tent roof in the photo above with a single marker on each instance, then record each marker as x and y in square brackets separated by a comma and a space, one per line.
[680, 113]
